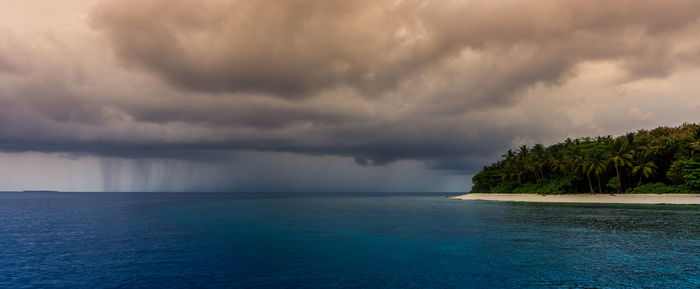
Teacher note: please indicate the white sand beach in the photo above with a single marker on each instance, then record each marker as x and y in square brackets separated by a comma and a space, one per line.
[675, 199]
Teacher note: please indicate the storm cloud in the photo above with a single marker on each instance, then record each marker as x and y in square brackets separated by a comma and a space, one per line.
[297, 48]
[449, 85]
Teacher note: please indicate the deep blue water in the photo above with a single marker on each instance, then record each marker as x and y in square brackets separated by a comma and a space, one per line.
[153, 240]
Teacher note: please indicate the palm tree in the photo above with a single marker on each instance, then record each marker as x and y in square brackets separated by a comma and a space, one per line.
[523, 151]
[531, 166]
[630, 138]
[621, 157]
[644, 167]
[535, 162]
[513, 172]
[597, 164]
[581, 165]
[540, 159]
[558, 164]
[538, 149]
[568, 141]
[508, 155]
[575, 164]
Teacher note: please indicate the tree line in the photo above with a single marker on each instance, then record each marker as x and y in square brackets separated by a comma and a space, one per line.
[661, 160]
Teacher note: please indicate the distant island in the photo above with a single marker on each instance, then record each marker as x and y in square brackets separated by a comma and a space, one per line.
[665, 160]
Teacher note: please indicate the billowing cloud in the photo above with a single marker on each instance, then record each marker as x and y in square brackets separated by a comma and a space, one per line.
[297, 48]
[445, 84]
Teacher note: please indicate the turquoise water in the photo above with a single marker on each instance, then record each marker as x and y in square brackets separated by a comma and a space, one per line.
[149, 240]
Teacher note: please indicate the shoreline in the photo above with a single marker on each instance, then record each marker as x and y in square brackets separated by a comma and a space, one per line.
[651, 199]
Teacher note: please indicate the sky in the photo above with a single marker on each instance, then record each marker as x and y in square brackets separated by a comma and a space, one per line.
[301, 95]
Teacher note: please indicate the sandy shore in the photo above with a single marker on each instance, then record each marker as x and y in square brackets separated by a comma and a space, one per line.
[675, 199]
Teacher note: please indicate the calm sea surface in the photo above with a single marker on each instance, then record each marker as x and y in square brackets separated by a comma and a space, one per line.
[179, 240]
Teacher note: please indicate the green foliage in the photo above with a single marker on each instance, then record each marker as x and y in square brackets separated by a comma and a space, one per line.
[621, 156]
[691, 174]
[665, 157]
[503, 188]
[675, 172]
[556, 186]
[485, 180]
[613, 183]
[661, 188]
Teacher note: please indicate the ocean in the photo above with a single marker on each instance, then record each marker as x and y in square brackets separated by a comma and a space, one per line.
[363, 240]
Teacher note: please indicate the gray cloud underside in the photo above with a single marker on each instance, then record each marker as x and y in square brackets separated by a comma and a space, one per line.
[378, 81]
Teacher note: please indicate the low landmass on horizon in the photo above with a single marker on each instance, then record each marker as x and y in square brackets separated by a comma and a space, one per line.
[665, 160]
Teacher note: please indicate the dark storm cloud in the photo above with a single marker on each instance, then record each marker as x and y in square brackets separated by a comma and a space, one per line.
[377, 81]
[254, 115]
[61, 118]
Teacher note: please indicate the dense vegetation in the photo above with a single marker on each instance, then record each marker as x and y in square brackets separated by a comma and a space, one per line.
[662, 160]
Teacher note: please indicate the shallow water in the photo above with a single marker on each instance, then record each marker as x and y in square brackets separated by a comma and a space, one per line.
[178, 240]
